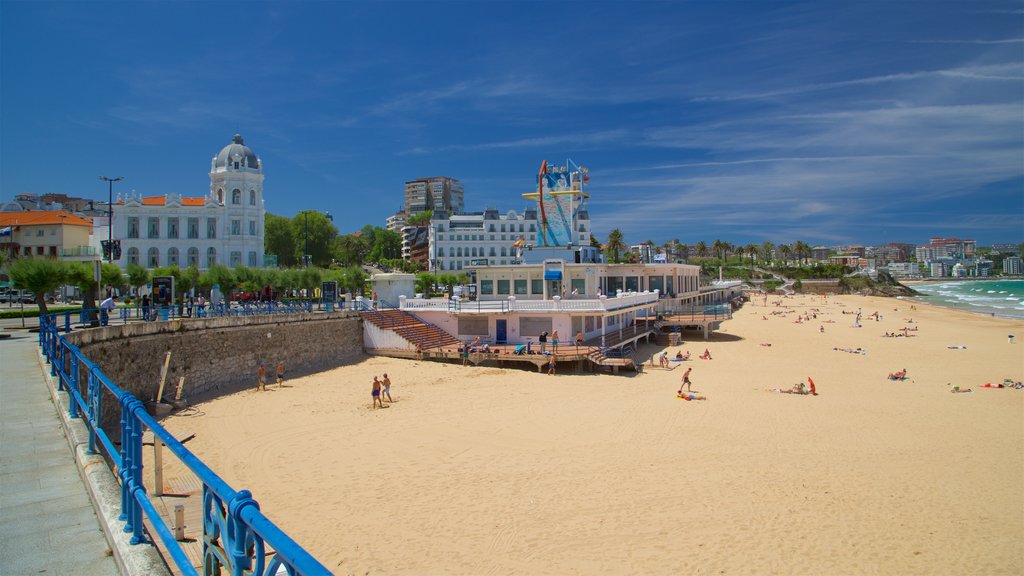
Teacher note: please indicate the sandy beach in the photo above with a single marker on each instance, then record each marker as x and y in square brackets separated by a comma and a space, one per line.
[481, 470]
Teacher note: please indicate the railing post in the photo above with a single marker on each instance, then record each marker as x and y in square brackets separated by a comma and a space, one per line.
[134, 471]
[42, 333]
[123, 471]
[67, 322]
[58, 358]
[239, 533]
[73, 377]
[94, 408]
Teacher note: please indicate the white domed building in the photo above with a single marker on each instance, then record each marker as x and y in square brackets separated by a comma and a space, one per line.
[223, 227]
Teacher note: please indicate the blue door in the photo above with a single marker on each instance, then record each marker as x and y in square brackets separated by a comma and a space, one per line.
[500, 328]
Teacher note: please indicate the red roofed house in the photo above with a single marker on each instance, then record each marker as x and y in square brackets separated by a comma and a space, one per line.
[49, 233]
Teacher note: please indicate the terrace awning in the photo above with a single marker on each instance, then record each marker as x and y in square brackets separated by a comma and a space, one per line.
[552, 274]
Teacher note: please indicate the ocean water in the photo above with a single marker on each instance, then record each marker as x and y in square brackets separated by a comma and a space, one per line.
[999, 297]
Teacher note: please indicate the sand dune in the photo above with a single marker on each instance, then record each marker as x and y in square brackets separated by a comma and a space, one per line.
[481, 470]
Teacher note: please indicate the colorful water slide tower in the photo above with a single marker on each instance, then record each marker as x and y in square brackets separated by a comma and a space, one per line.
[560, 195]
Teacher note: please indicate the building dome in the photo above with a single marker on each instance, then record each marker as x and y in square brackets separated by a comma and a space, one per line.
[237, 151]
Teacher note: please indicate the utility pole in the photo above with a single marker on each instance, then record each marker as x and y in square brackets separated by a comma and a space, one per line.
[110, 215]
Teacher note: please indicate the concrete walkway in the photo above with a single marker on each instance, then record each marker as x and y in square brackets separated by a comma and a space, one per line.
[47, 521]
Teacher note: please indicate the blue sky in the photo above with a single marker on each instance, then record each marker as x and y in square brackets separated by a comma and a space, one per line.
[827, 122]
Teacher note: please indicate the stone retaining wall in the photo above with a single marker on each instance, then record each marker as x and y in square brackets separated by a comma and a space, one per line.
[218, 355]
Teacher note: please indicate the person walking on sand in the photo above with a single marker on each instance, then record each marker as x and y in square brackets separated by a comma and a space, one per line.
[375, 392]
[387, 389]
[280, 373]
[551, 366]
[262, 374]
[686, 381]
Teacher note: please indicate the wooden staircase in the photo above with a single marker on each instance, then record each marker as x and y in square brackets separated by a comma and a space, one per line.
[423, 335]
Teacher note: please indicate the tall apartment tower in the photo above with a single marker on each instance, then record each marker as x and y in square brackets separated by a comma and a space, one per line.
[436, 193]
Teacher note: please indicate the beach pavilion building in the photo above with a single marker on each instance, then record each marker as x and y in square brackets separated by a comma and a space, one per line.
[614, 306]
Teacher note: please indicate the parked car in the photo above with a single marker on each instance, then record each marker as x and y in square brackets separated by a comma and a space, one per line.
[18, 296]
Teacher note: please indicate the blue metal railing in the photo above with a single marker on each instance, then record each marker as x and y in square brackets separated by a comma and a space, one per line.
[235, 532]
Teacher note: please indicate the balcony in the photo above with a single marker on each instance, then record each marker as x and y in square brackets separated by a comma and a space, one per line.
[79, 252]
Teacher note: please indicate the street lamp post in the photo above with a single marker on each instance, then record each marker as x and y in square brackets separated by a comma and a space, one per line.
[305, 239]
[110, 215]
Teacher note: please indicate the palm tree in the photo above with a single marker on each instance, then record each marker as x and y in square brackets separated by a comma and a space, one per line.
[683, 250]
[740, 250]
[802, 249]
[718, 246]
[786, 251]
[767, 250]
[702, 249]
[752, 251]
[615, 244]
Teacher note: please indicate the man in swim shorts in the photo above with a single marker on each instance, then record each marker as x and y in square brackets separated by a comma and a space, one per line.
[262, 374]
[280, 373]
[387, 389]
[686, 381]
[376, 393]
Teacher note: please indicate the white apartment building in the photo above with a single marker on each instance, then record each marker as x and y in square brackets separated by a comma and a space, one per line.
[1013, 265]
[223, 227]
[396, 221]
[486, 239]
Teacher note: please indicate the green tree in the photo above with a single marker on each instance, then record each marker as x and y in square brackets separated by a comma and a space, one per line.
[594, 242]
[309, 279]
[721, 248]
[223, 277]
[786, 251]
[684, 252]
[804, 249]
[112, 277]
[137, 276]
[313, 231]
[250, 279]
[702, 249]
[752, 252]
[354, 279]
[39, 275]
[421, 219]
[767, 251]
[81, 274]
[350, 250]
[616, 244]
[425, 282]
[386, 244]
[279, 239]
[188, 279]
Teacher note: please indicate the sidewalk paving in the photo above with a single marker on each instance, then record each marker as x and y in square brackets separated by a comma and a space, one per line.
[47, 521]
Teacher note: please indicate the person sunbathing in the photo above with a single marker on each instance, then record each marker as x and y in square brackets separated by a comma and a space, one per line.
[798, 388]
[688, 396]
[901, 375]
[706, 355]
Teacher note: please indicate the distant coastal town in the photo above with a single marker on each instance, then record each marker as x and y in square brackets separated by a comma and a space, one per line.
[225, 237]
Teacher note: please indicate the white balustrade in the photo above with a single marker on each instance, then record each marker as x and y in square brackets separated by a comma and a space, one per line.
[556, 304]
